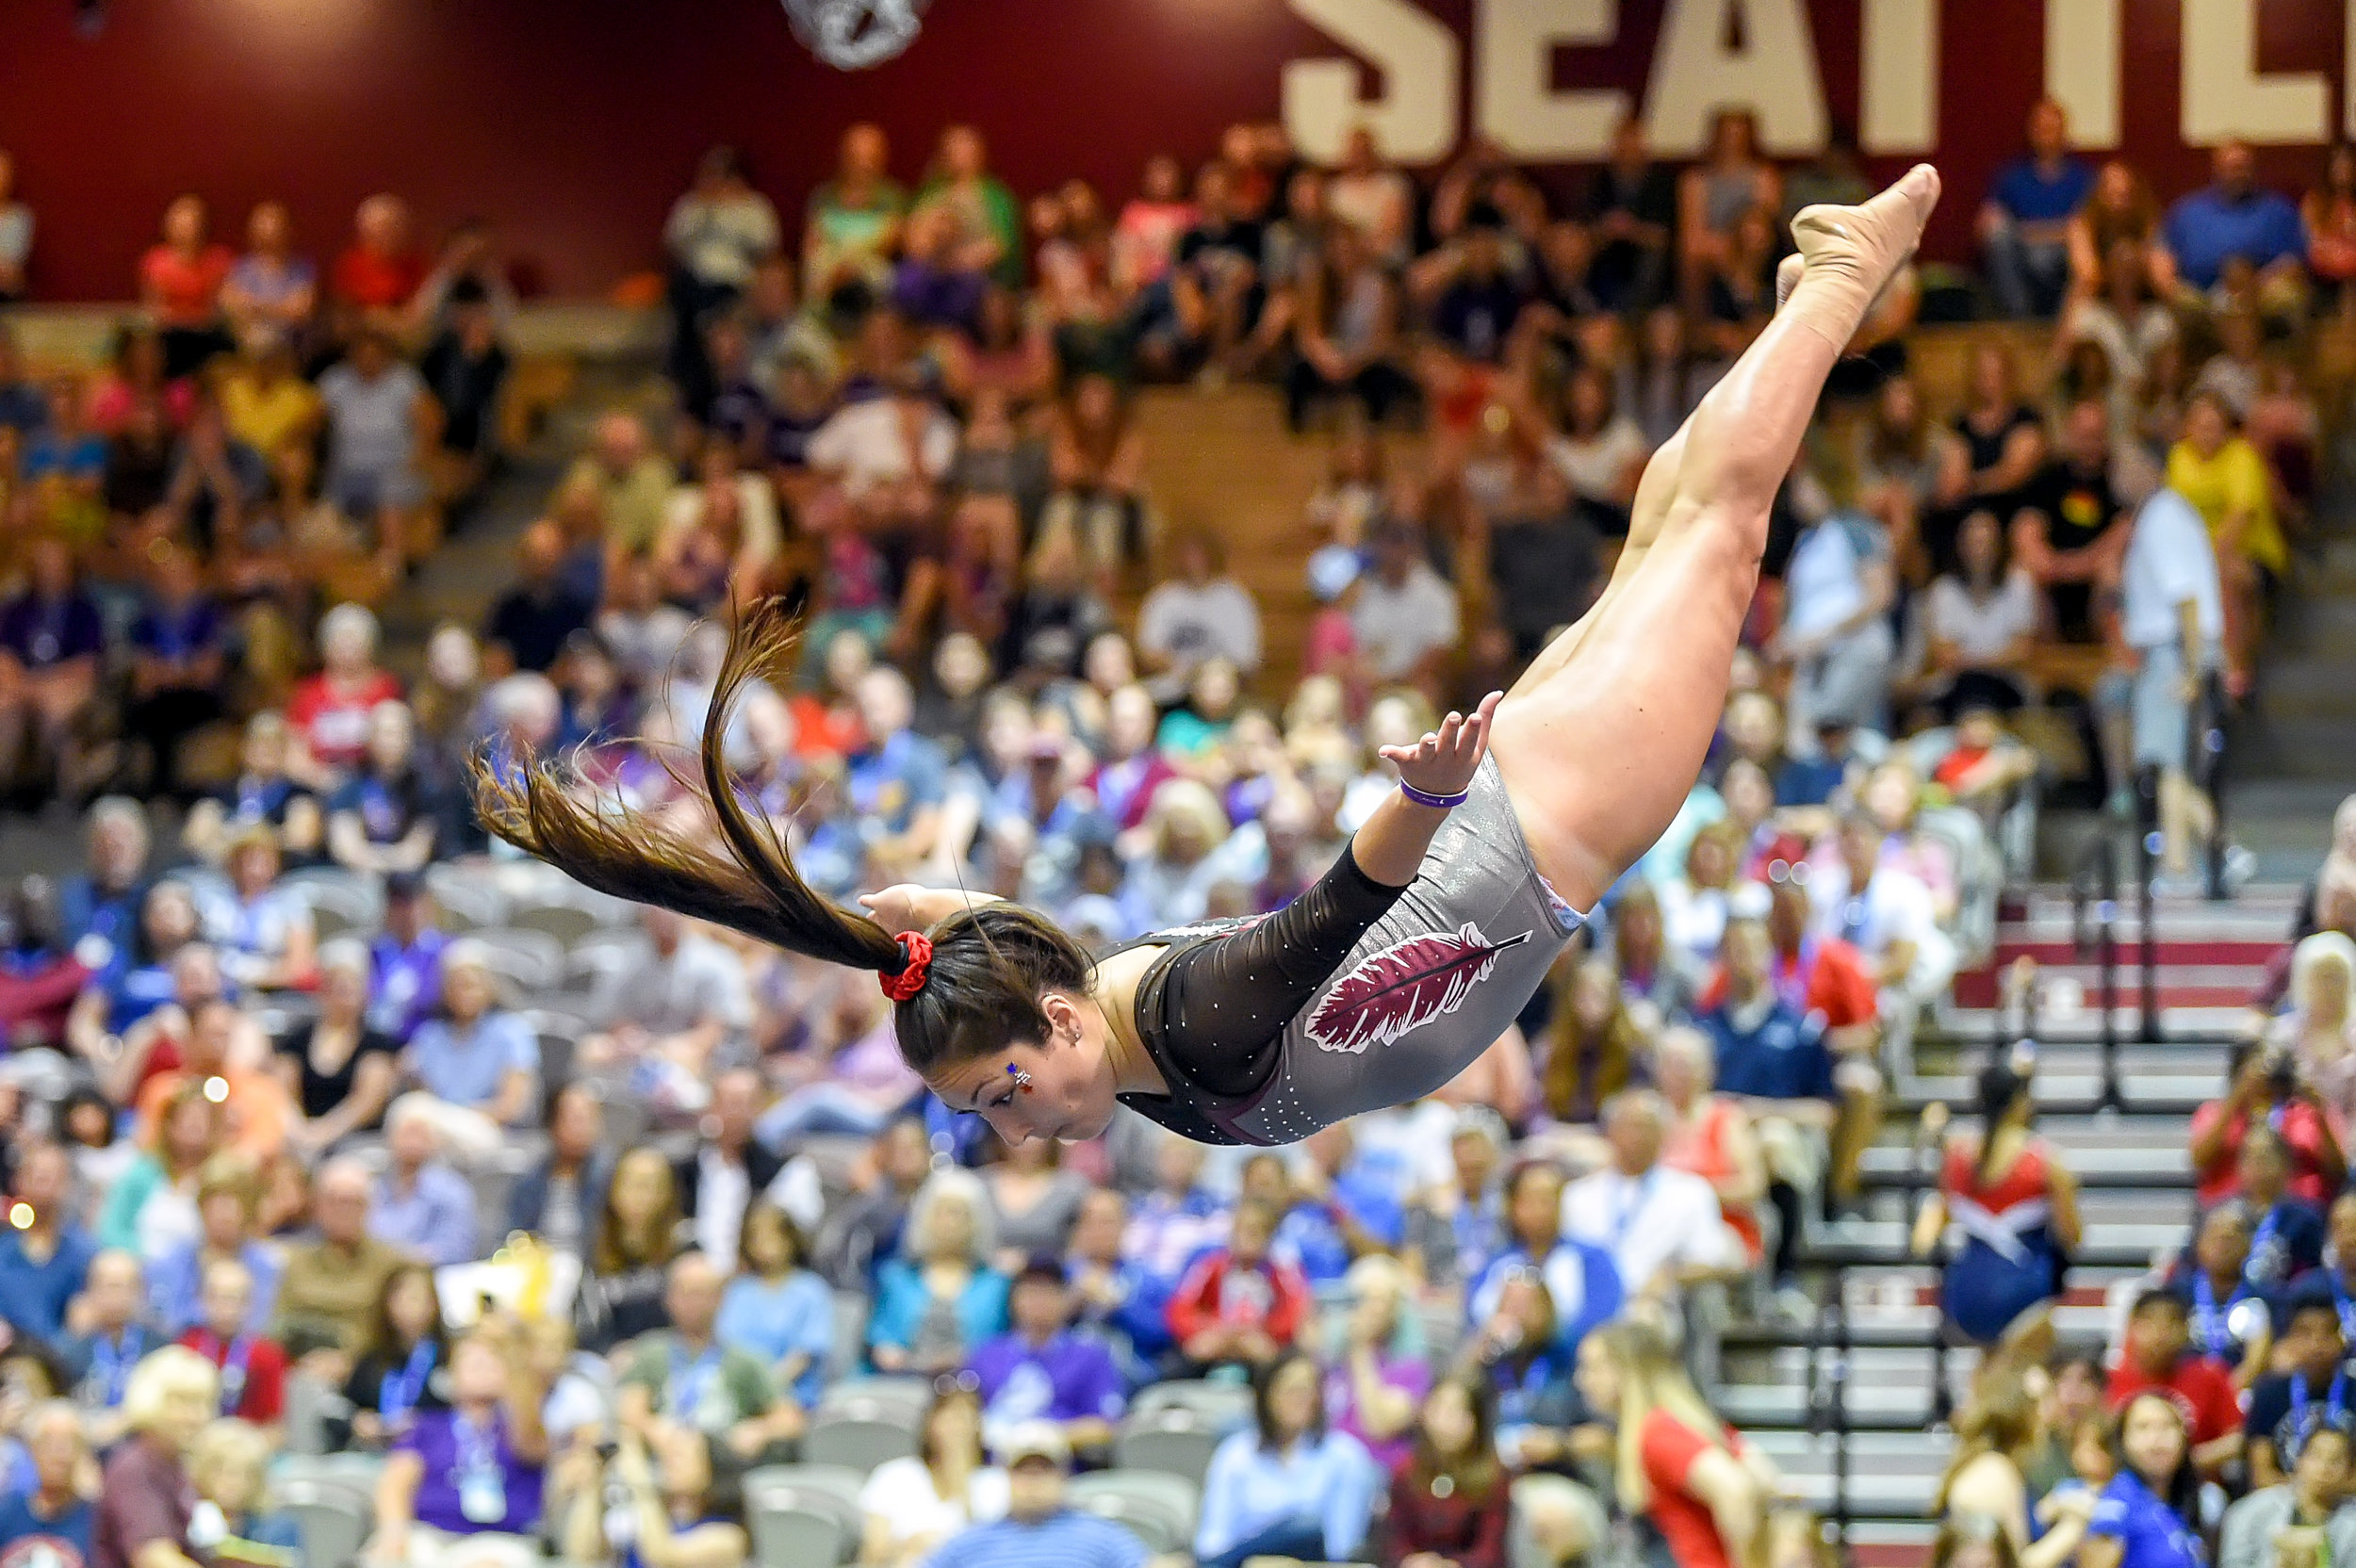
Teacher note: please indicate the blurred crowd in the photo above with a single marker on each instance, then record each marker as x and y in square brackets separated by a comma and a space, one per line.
[329, 1121]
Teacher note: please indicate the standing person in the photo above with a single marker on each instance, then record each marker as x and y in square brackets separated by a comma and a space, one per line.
[2172, 619]
[2144, 1518]
[2017, 1208]
[1702, 1486]
[1004, 1015]
[1449, 1497]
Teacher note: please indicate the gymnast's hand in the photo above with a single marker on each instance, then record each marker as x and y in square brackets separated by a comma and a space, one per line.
[906, 907]
[1444, 763]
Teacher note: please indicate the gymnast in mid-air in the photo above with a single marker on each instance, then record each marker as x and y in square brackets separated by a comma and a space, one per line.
[1409, 957]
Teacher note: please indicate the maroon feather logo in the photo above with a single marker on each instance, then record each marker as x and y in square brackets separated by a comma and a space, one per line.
[1404, 987]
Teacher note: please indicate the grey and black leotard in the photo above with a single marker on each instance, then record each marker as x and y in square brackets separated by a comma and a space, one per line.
[1355, 996]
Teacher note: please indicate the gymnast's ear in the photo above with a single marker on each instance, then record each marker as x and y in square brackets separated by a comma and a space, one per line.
[1065, 1016]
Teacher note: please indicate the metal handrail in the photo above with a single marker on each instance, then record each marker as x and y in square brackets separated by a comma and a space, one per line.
[2098, 866]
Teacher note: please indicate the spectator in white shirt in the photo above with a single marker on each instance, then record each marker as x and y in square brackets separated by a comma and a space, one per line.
[684, 1008]
[1663, 1227]
[1406, 619]
[2172, 618]
[886, 452]
[1885, 914]
[1837, 588]
[1978, 622]
[1377, 202]
[1199, 613]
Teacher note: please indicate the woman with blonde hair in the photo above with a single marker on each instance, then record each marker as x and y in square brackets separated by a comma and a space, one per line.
[1678, 1462]
[1997, 1428]
[1379, 1374]
[637, 1236]
[2320, 1026]
[939, 1298]
[146, 1506]
[225, 1466]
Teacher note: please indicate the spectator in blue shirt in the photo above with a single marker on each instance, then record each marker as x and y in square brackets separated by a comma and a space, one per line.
[2024, 223]
[775, 1309]
[1040, 1370]
[1039, 1529]
[50, 641]
[103, 901]
[66, 447]
[51, 1520]
[898, 778]
[45, 1259]
[2144, 1517]
[228, 1194]
[178, 655]
[1582, 1283]
[2235, 219]
[24, 407]
[1287, 1485]
[474, 1056]
[421, 1205]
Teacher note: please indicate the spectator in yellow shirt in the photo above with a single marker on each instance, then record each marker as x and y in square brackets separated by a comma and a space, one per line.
[263, 402]
[2222, 474]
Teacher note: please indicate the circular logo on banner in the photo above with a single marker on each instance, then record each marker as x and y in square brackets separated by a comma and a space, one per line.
[852, 35]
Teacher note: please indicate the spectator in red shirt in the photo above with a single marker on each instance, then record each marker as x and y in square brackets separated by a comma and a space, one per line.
[1704, 1488]
[2267, 1086]
[329, 712]
[180, 280]
[253, 1368]
[375, 278]
[2158, 1358]
[1236, 1303]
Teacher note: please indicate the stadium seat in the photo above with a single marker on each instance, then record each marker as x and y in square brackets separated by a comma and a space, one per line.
[338, 900]
[1221, 1405]
[850, 1336]
[467, 900]
[803, 1515]
[567, 923]
[1173, 1440]
[867, 1392]
[861, 1434]
[531, 960]
[1159, 1509]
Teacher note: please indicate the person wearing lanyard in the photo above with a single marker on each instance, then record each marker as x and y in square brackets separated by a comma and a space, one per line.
[656, 1509]
[1663, 1227]
[2312, 1391]
[685, 1377]
[2310, 1500]
[109, 1337]
[472, 1474]
[2288, 1240]
[252, 1370]
[2142, 1518]
[2224, 1324]
[395, 1377]
[2338, 1272]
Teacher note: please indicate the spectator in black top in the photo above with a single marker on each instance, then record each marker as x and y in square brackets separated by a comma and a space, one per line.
[1476, 301]
[2064, 534]
[215, 480]
[865, 1232]
[176, 663]
[388, 818]
[339, 1070]
[140, 459]
[729, 1169]
[2311, 1389]
[1216, 282]
[50, 642]
[527, 626]
[2003, 442]
[405, 1365]
[1632, 209]
[464, 367]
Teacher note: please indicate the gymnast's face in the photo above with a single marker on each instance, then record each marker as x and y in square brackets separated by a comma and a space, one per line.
[1061, 1088]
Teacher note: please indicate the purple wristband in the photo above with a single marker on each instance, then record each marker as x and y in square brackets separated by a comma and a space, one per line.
[1443, 803]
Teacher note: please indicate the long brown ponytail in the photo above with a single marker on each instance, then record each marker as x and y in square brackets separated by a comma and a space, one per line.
[989, 965]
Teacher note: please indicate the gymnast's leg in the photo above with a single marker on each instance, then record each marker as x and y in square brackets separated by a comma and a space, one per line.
[1605, 733]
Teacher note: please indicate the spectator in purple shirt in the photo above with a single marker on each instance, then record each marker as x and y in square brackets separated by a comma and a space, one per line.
[2024, 223]
[405, 987]
[176, 663]
[1040, 1371]
[50, 640]
[471, 1473]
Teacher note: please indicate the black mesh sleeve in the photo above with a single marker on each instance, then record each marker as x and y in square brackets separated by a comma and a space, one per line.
[1223, 1004]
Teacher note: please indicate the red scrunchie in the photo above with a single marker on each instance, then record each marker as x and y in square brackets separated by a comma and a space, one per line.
[904, 985]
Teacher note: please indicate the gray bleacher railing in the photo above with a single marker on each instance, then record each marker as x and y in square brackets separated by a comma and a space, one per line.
[2094, 890]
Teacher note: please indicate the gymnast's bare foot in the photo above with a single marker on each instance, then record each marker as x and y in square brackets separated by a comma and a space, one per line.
[1848, 256]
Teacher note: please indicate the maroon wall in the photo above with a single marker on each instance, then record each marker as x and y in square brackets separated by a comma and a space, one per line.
[573, 122]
